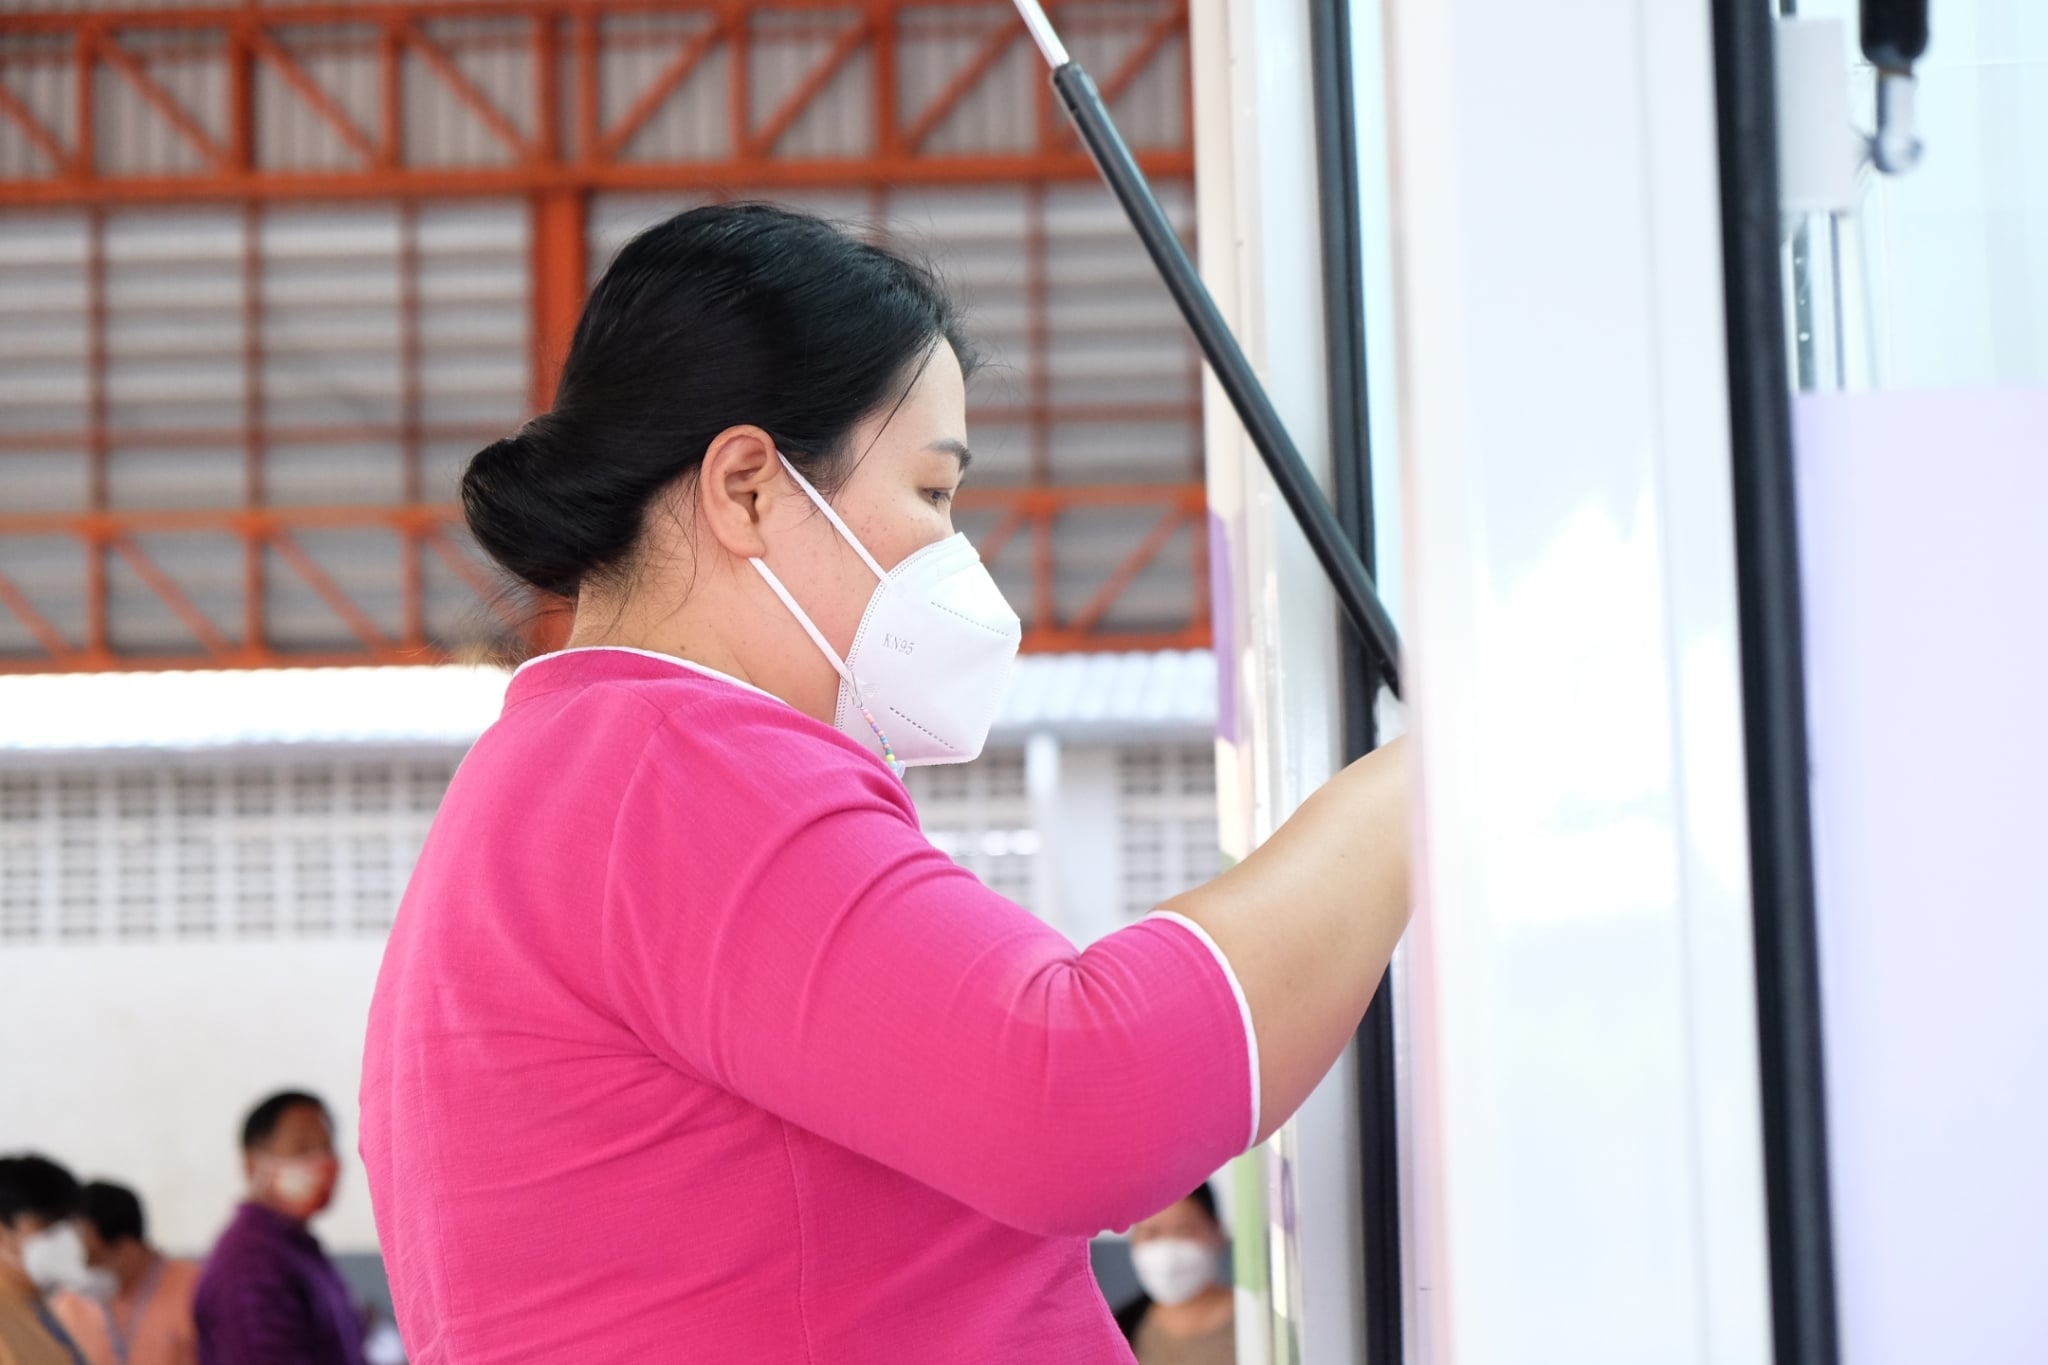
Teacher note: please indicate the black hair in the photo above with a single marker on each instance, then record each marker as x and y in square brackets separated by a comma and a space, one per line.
[261, 1125]
[114, 1212]
[31, 1183]
[1204, 1199]
[726, 315]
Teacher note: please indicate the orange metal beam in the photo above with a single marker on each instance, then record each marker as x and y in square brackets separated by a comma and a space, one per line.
[999, 535]
[888, 131]
[413, 591]
[241, 75]
[162, 101]
[269, 35]
[496, 596]
[330, 12]
[427, 182]
[588, 114]
[315, 96]
[1037, 508]
[171, 595]
[948, 99]
[47, 635]
[761, 143]
[561, 269]
[1036, 641]
[329, 591]
[1125, 573]
[568, 156]
[465, 90]
[97, 451]
[390, 102]
[1163, 30]
[34, 129]
[650, 100]
[210, 438]
[1034, 503]
[253, 414]
[83, 60]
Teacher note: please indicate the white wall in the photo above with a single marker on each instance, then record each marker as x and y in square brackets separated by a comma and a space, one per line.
[1585, 1170]
[1933, 897]
[138, 1062]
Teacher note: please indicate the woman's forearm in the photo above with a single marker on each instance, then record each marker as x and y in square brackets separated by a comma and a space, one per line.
[1309, 920]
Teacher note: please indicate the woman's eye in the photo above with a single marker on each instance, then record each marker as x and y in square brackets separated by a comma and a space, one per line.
[940, 497]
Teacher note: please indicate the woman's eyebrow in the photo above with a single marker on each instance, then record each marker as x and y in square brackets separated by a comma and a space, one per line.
[956, 448]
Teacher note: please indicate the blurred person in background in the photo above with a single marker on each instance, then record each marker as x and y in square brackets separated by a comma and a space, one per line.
[1185, 1316]
[138, 1308]
[41, 1252]
[269, 1295]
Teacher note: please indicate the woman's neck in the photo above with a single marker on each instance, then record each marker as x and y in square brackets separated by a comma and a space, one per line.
[1202, 1314]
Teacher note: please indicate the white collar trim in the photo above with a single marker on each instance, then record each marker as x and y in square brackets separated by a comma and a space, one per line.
[650, 654]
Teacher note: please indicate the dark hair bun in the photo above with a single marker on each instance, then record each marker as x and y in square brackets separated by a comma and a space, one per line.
[727, 315]
[549, 514]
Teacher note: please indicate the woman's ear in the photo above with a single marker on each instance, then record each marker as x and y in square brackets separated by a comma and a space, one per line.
[741, 474]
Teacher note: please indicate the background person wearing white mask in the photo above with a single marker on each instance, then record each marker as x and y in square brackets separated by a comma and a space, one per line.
[41, 1253]
[137, 1307]
[676, 947]
[268, 1294]
[1186, 1315]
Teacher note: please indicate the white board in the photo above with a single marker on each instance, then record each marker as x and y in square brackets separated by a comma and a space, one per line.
[1924, 547]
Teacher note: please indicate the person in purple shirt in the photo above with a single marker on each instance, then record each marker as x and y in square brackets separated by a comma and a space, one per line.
[269, 1295]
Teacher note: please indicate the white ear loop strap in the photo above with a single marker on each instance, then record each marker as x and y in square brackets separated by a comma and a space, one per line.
[849, 537]
[803, 619]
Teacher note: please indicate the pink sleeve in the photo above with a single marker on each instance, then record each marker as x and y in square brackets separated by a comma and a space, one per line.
[776, 923]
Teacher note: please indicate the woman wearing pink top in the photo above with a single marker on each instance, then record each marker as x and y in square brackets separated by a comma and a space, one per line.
[687, 1044]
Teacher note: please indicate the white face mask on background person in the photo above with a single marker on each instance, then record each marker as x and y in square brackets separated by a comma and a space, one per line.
[55, 1258]
[303, 1185]
[932, 657]
[1174, 1269]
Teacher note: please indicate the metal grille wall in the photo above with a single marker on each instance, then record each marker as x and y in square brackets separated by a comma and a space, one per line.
[320, 846]
[293, 849]
[979, 815]
[1166, 822]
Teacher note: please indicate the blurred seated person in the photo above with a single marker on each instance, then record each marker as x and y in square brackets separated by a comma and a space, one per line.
[40, 1252]
[138, 1310]
[1185, 1316]
[269, 1295]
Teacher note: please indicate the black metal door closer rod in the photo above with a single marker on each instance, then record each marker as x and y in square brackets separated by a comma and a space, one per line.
[1339, 558]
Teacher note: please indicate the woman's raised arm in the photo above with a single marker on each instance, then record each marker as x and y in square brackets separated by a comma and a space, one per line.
[1309, 919]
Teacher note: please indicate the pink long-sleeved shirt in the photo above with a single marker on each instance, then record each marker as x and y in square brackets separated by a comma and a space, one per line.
[688, 1045]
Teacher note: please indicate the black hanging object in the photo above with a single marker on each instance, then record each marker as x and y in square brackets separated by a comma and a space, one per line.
[1894, 33]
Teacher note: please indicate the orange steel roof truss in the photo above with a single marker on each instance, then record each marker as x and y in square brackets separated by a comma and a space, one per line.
[540, 110]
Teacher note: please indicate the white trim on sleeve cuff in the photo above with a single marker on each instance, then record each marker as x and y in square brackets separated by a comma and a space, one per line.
[1244, 1009]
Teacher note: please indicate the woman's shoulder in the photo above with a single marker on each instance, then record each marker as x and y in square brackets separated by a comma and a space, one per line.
[635, 699]
[656, 740]
[705, 734]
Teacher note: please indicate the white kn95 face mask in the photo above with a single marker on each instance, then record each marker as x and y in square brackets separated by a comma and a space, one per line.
[1174, 1269]
[55, 1257]
[932, 657]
